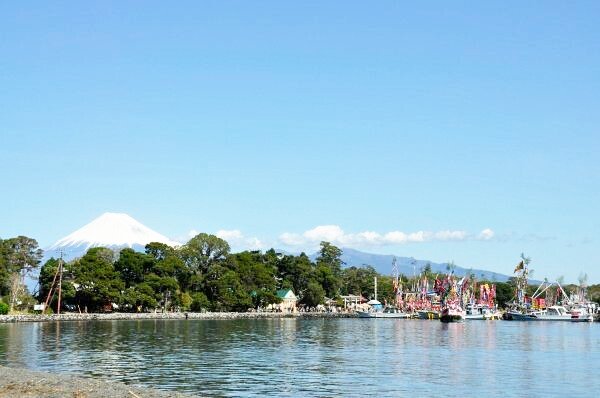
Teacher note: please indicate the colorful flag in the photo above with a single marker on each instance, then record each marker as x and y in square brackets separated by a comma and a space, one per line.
[520, 266]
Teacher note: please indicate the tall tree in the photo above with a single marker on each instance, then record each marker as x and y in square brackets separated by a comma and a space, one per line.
[331, 256]
[314, 294]
[359, 280]
[329, 268]
[295, 272]
[99, 284]
[204, 250]
[133, 266]
[257, 275]
[21, 255]
[159, 250]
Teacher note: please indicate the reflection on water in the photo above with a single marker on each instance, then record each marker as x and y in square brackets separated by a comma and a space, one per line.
[317, 357]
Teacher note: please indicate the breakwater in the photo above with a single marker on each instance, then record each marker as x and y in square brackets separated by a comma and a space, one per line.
[168, 315]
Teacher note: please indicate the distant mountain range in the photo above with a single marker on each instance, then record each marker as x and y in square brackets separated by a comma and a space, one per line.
[118, 230]
[409, 265]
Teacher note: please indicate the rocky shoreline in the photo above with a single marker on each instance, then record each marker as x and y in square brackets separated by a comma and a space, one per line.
[169, 315]
[17, 382]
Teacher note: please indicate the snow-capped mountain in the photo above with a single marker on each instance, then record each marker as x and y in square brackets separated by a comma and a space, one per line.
[115, 230]
[112, 230]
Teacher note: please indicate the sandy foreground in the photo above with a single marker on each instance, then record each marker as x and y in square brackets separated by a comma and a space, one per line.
[26, 383]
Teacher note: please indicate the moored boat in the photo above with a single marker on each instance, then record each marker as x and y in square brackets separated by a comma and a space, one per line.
[481, 312]
[582, 313]
[552, 313]
[450, 290]
[452, 314]
[535, 308]
[428, 314]
[387, 312]
[376, 310]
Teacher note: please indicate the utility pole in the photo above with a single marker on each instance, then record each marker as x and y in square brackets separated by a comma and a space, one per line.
[57, 274]
[60, 272]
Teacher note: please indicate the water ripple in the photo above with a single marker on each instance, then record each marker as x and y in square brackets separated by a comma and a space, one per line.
[317, 357]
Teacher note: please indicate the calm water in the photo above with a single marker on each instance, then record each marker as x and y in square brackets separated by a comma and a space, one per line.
[321, 357]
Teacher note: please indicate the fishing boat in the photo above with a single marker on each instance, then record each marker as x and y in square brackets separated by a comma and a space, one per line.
[582, 312]
[428, 314]
[376, 310]
[552, 313]
[452, 314]
[534, 308]
[481, 312]
[581, 308]
[387, 312]
[482, 307]
[450, 291]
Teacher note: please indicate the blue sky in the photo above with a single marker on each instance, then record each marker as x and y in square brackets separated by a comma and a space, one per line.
[280, 124]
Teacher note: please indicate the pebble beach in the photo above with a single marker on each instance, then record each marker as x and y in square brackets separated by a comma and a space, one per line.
[26, 383]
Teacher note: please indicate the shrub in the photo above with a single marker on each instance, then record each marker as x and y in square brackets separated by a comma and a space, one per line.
[199, 302]
[186, 301]
[3, 308]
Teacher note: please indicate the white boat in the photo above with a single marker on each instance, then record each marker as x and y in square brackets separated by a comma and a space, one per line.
[387, 312]
[376, 310]
[552, 313]
[582, 313]
[481, 312]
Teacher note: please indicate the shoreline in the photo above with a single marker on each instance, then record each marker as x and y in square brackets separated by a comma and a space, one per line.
[169, 315]
[23, 382]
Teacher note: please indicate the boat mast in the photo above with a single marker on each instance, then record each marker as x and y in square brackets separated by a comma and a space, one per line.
[397, 291]
[375, 288]
[522, 279]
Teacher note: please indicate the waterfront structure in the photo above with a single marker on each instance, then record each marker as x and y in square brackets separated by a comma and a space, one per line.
[353, 301]
[289, 301]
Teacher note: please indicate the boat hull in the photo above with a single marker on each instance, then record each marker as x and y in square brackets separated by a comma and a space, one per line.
[517, 316]
[482, 317]
[429, 315]
[453, 315]
[401, 315]
[452, 318]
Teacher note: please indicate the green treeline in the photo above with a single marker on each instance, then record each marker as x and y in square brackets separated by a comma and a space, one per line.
[201, 275]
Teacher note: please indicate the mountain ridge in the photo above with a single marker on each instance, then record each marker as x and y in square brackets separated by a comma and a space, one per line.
[111, 230]
[409, 266]
[119, 230]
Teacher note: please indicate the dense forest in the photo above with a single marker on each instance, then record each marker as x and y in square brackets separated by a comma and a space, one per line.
[201, 275]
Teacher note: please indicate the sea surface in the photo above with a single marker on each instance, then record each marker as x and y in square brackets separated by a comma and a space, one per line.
[319, 357]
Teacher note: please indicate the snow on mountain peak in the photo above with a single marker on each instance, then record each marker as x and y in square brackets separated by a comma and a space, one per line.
[112, 229]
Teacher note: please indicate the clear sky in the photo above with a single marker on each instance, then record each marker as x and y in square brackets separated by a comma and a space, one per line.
[463, 131]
